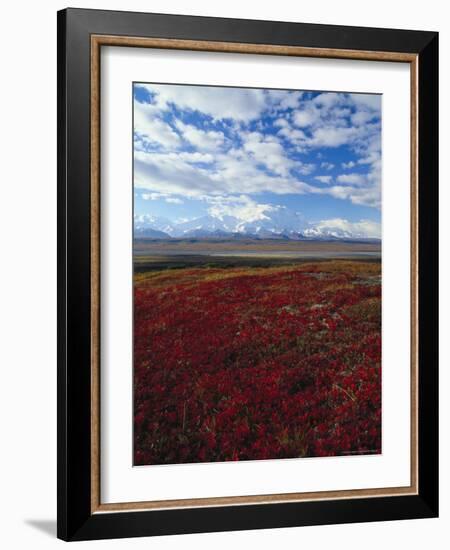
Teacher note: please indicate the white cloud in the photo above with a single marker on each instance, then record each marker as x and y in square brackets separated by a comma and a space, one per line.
[161, 196]
[235, 172]
[368, 195]
[306, 117]
[339, 226]
[268, 151]
[362, 117]
[283, 99]
[337, 119]
[169, 173]
[152, 196]
[332, 136]
[174, 200]
[324, 179]
[205, 140]
[295, 136]
[305, 168]
[153, 129]
[327, 165]
[241, 207]
[328, 99]
[370, 158]
[352, 179]
[204, 158]
[219, 103]
[281, 123]
[367, 101]
[348, 165]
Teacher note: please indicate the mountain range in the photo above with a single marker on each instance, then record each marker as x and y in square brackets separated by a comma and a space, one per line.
[279, 224]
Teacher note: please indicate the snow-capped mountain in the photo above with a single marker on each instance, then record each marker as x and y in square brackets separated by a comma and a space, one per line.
[332, 233]
[144, 223]
[276, 223]
[272, 222]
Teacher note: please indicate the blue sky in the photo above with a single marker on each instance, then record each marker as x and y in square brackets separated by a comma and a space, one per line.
[248, 153]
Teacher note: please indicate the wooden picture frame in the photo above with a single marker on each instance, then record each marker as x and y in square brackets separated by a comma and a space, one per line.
[81, 35]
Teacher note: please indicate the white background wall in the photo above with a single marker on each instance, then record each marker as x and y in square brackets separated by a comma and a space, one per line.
[28, 271]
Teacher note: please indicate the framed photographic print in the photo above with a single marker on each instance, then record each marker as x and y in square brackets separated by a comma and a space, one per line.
[247, 274]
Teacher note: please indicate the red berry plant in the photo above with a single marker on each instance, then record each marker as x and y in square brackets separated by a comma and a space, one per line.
[257, 363]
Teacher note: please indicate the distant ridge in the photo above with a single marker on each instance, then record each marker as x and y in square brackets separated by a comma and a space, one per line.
[281, 224]
[149, 233]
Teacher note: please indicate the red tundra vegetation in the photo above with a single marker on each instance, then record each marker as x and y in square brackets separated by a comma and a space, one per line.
[257, 363]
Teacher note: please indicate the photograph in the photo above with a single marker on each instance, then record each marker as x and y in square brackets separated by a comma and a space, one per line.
[257, 255]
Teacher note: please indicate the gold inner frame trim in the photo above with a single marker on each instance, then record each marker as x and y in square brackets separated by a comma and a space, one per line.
[97, 41]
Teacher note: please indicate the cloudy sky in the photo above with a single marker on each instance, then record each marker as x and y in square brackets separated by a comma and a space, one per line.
[247, 153]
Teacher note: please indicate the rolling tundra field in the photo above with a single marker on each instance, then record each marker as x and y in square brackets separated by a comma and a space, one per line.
[239, 358]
